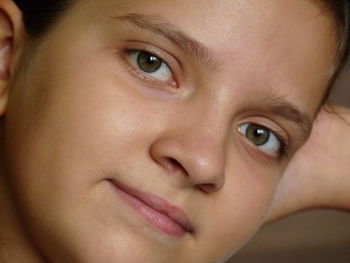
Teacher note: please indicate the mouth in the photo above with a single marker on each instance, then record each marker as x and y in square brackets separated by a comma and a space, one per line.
[156, 211]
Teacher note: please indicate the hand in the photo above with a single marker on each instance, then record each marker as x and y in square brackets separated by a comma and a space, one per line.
[319, 173]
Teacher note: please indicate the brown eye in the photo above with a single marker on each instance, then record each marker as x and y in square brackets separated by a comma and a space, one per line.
[257, 135]
[148, 62]
[262, 138]
[151, 66]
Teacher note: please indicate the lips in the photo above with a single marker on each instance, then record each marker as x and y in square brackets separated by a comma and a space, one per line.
[155, 210]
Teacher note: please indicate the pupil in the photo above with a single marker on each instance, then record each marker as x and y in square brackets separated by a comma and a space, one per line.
[257, 135]
[152, 60]
[148, 62]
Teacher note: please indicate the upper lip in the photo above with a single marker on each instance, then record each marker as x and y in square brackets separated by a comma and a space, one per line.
[159, 204]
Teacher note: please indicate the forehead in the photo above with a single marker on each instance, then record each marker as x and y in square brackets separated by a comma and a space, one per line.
[274, 43]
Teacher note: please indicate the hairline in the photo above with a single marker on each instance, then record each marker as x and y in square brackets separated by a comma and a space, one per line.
[340, 19]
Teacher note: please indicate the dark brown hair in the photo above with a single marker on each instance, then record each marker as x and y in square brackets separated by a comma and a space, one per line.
[341, 11]
[40, 15]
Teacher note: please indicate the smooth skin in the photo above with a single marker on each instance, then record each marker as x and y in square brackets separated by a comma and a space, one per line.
[318, 176]
[77, 111]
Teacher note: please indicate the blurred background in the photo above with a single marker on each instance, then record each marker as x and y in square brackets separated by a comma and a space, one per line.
[320, 236]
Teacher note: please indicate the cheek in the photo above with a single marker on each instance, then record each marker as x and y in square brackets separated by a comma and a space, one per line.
[58, 152]
[237, 213]
[75, 124]
[84, 127]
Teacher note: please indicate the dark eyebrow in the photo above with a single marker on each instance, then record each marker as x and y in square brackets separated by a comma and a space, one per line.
[157, 25]
[272, 103]
[278, 106]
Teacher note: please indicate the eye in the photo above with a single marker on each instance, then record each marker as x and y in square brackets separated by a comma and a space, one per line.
[262, 138]
[153, 66]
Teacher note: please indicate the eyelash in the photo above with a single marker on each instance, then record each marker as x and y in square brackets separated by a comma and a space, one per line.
[283, 152]
[126, 53]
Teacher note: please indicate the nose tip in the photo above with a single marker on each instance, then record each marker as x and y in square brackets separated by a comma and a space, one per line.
[201, 165]
[207, 173]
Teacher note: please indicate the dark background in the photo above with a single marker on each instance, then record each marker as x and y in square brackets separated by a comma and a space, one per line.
[321, 236]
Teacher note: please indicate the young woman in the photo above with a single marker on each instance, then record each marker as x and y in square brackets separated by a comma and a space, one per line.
[165, 131]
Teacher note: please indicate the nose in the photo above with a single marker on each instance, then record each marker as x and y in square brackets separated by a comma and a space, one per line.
[194, 152]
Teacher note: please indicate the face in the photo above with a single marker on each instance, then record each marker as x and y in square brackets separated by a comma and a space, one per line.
[159, 132]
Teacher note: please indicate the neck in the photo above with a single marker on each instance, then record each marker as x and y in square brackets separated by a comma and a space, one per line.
[15, 246]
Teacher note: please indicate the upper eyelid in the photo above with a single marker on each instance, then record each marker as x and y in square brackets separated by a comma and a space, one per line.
[159, 26]
[277, 134]
[165, 55]
[130, 51]
[283, 139]
[284, 143]
[261, 121]
[173, 63]
[135, 46]
[125, 52]
[163, 61]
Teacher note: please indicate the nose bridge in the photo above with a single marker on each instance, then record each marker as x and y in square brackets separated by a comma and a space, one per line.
[205, 147]
[207, 133]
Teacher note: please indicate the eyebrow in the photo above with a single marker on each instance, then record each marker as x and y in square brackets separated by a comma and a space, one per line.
[279, 106]
[157, 25]
[272, 103]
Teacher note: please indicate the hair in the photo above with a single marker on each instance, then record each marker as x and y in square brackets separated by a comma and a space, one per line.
[341, 12]
[41, 15]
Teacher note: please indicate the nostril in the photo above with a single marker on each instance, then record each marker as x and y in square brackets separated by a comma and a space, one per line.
[175, 166]
[196, 167]
[207, 188]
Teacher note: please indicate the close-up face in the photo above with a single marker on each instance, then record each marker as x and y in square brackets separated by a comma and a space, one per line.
[159, 131]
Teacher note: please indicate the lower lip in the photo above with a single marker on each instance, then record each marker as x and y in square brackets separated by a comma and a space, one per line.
[150, 215]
